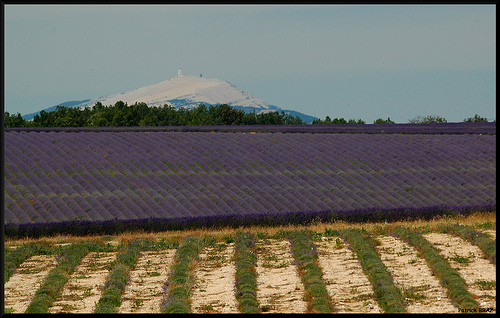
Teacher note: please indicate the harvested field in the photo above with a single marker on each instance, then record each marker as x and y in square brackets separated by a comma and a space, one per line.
[83, 290]
[214, 288]
[479, 274]
[26, 280]
[347, 285]
[144, 290]
[411, 274]
[279, 285]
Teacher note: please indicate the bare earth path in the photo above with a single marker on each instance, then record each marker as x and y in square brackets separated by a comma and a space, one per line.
[478, 273]
[144, 292]
[214, 288]
[83, 290]
[491, 233]
[279, 288]
[347, 284]
[413, 277]
[22, 285]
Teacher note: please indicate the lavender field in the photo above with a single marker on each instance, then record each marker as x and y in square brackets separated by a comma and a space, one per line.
[86, 181]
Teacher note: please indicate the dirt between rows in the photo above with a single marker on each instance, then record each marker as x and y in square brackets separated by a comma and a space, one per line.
[280, 289]
[347, 285]
[214, 288]
[83, 290]
[491, 233]
[22, 285]
[413, 277]
[468, 260]
[144, 291]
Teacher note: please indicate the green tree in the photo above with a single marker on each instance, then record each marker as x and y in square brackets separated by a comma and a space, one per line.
[427, 119]
[151, 118]
[168, 116]
[339, 121]
[225, 115]
[269, 118]
[14, 120]
[98, 119]
[476, 119]
[293, 120]
[249, 119]
[382, 121]
[43, 119]
[354, 121]
[198, 116]
[98, 106]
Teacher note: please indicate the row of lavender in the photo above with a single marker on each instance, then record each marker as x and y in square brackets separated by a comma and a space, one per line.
[59, 178]
[432, 128]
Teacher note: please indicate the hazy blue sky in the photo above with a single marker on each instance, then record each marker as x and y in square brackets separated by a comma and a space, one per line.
[362, 62]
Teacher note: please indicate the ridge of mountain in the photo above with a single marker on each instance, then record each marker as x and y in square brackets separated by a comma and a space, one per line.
[185, 91]
[72, 103]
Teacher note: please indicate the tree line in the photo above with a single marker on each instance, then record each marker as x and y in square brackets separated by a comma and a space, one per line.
[141, 114]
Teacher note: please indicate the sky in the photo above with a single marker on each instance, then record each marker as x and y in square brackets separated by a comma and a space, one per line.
[352, 61]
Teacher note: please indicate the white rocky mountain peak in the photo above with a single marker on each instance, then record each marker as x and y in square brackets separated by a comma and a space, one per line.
[186, 91]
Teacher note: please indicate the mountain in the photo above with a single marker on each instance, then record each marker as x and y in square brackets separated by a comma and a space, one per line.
[188, 91]
[68, 104]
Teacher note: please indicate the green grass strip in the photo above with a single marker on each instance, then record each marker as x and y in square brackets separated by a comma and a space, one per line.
[481, 240]
[246, 276]
[306, 256]
[180, 282]
[388, 296]
[54, 282]
[449, 277]
[116, 281]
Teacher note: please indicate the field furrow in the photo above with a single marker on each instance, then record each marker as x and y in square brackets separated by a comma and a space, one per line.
[288, 271]
[491, 233]
[467, 259]
[347, 285]
[214, 289]
[23, 284]
[81, 293]
[144, 291]
[279, 288]
[421, 289]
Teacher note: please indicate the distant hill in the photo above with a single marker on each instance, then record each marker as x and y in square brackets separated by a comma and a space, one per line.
[187, 91]
[68, 104]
